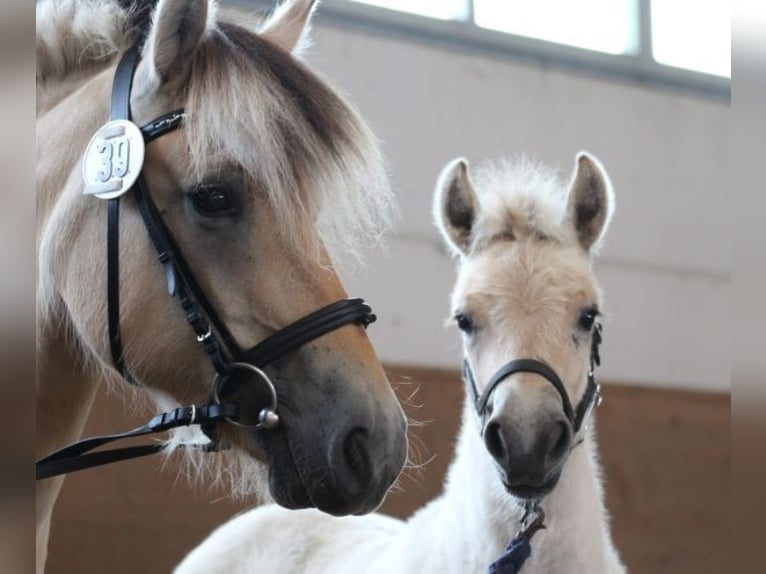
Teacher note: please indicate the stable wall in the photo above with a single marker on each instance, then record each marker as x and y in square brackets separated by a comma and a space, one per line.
[665, 265]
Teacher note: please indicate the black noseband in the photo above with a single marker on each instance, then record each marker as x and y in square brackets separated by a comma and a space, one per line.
[575, 416]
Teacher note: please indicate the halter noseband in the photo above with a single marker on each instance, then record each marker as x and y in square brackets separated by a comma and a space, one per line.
[113, 166]
[575, 416]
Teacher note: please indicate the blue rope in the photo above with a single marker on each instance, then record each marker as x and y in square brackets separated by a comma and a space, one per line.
[518, 550]
[516, 553]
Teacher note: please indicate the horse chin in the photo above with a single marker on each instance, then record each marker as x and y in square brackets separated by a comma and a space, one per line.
[285, 482]
[289, 486]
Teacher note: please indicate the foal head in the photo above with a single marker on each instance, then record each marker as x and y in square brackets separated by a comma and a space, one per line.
[269, 164]
[525, 290]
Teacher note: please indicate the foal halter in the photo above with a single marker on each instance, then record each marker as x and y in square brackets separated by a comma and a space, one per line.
[575, 416]
[113, 166]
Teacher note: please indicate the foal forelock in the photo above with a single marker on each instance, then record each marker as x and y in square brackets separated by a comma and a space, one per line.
[520, 199]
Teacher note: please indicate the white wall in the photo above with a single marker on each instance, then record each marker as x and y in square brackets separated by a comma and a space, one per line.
[665, 266]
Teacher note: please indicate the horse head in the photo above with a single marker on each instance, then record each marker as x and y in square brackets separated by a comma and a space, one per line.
[270, 172]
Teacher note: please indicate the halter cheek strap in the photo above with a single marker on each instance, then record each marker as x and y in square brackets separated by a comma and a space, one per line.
[576, 415]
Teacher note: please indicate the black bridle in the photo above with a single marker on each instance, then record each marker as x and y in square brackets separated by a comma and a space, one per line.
[113, 166]
[576, 415]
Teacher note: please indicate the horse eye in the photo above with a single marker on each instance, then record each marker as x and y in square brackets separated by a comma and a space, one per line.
[212, 201]
[465, 323]
[587, 318]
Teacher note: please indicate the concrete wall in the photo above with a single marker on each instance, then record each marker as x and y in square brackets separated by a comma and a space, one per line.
[665, 266]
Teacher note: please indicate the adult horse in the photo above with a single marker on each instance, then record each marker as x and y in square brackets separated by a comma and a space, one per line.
[528, 306]
[268, 171]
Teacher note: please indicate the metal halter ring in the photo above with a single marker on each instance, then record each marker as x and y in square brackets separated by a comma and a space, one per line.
[267, 417]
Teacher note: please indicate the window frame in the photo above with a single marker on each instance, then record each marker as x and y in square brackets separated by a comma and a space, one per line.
[639, 68]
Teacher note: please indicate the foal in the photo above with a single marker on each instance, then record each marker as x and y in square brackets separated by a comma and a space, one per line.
[525, 290]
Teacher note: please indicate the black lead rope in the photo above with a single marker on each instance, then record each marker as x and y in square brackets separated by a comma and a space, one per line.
[77, 456]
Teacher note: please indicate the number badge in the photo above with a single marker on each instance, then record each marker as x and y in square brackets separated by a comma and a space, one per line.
[113, 159]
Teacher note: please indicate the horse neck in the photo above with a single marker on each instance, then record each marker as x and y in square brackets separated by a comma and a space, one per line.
[65, 394]
[478, 517]
[66, 380]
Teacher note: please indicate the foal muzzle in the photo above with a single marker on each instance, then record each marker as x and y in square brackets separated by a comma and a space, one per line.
[575, 415]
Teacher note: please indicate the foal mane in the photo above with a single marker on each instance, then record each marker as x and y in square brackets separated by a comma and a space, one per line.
[520, 199]
[251, 106]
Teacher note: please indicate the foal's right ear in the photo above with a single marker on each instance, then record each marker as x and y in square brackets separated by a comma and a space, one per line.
[177, 30]
[455, 206]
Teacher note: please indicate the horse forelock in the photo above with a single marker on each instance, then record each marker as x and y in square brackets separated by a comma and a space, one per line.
[520, 199]
[253, 105]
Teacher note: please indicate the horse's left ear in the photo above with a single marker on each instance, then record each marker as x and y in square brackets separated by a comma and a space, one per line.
[288, 27]
[590, 202]
[177, 30]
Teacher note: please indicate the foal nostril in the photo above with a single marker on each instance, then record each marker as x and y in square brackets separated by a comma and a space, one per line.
[561, 438]
[493, 439]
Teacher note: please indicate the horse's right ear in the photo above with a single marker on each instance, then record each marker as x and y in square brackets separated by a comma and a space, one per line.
[177, 30]
[455, 206]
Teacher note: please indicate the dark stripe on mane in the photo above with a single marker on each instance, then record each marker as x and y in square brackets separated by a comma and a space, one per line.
[139, 15]
[317, 104]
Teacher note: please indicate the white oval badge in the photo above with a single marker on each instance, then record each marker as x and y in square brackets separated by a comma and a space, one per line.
[113, 159]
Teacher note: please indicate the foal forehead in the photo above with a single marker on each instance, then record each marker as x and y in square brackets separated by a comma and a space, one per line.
[534, 276]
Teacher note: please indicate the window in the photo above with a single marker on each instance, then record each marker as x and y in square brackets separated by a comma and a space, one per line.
[693, 34]
[601, 25]
[441, 9]
[679, 43]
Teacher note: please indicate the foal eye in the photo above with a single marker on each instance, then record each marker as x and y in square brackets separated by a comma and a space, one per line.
[465, 323]
[587, 318]
[212, 201]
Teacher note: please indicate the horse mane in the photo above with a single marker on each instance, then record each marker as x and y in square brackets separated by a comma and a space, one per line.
[520, 199]
[251, 106]
[75, 34]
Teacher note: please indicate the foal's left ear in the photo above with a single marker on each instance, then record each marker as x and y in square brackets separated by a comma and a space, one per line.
[177, 30]
[288, 27]
[590, 202]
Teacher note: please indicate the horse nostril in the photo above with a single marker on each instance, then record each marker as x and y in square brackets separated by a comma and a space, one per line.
[493, 439]
[356, 455]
